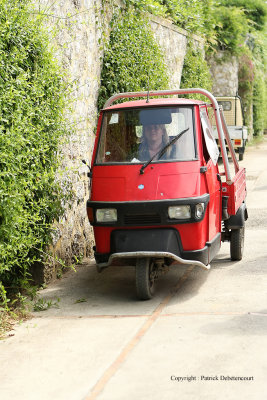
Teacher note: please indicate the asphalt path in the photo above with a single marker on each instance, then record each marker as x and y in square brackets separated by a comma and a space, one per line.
[202, 336]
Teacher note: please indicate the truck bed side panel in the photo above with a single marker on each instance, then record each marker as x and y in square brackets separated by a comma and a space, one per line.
[236, 191]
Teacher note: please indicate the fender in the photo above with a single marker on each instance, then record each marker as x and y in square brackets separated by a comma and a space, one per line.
[237, 221]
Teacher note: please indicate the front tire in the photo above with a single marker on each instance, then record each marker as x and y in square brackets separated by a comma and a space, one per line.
[237, 243]
[144, 279]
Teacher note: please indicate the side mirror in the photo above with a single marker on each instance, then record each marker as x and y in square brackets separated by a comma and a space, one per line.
[89, 174]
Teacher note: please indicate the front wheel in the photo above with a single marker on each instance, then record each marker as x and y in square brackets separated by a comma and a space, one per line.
[237, 243]
[144, 278]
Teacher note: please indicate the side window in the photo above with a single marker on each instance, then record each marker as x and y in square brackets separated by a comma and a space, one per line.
[210, 142]
[226, 105]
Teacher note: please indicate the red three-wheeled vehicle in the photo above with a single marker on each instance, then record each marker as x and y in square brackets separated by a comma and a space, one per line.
[158, 196]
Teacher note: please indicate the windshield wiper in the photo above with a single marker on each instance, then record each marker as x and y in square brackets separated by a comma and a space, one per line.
[160, 153]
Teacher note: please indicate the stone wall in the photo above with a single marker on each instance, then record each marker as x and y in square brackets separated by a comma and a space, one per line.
[79, 24]
[78, 30]
[173, 41]
[224, 74]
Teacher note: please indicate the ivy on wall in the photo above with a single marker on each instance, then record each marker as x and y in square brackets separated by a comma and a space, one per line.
[132, 59]
[192, 15]
[259, 101]
[230, 26]
[196, 71]
[240, 27]
[254, 11]
[32, 100]
[245, 85]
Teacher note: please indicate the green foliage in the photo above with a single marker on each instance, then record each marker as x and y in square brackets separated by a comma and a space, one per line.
[152, 6]
[32, 100]
[252, 81]
[192, 15]
[255, 11]
[260, 83]
[259, 102]
[245, 85]
[225, 24]
[82, 300]
[131, 58]
[235, 23]
[42, 304]
[195, 71]
[230, 27]
[240, 27]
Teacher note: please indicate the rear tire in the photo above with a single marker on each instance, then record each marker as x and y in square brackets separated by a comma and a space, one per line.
[237, 243]
[241, 156]
[144, 281]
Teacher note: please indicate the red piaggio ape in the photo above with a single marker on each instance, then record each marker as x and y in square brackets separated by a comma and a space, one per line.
[154, 209]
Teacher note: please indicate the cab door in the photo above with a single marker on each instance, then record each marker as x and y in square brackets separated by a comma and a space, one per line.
[211, 155]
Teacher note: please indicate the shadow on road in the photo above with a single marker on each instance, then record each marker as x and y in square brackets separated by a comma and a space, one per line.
[254, 323]
[112, 292]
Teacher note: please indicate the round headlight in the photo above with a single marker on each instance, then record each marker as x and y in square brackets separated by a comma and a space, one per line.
[199, 210]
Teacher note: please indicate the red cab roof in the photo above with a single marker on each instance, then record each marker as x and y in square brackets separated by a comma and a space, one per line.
[156, 102]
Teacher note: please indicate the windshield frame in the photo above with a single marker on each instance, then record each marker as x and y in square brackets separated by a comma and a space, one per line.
[156, 161]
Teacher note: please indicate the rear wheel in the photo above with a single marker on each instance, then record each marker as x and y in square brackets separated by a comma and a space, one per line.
[144, 278]
[237, 243]
[241, 156]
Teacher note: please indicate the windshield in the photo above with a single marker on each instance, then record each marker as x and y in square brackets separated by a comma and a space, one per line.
[137, 135]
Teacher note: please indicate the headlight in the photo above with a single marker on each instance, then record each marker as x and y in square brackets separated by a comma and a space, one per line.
[199, 210]
[106, 215]
[179, 212]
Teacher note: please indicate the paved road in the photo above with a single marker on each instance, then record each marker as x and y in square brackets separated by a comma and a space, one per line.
[201, 329]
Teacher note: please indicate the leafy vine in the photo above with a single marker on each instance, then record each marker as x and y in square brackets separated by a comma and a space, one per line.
[33, 94]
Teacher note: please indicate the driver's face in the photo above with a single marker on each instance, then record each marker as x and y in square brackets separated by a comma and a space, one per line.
[154, 133]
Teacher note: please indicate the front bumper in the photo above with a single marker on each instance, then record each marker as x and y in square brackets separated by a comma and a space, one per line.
[118, 257]
[137, 242]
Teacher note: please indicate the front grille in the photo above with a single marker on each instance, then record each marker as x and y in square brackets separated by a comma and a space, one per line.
[142, 219]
